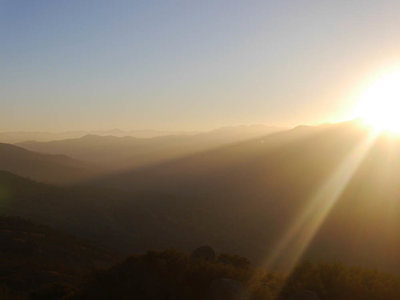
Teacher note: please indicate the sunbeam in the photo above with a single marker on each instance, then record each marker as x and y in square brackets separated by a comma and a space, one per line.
[296, 240]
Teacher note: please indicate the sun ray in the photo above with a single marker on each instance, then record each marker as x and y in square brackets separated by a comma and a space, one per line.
[296, 240]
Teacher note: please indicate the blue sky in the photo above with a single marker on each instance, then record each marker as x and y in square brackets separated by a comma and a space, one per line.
[67, 65]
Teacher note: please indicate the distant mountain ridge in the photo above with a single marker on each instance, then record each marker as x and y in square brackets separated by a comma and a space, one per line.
[124, 152]
[13, 137]
[58, 169]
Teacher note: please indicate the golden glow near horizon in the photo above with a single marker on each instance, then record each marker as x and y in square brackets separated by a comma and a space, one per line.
[379, 105]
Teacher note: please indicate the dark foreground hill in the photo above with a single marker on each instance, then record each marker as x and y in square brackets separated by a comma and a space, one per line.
[57, 169]
[35, 258]
[175, 275]
[92, 213]
[37, 262]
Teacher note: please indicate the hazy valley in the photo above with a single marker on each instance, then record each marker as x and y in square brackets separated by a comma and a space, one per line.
[199, 150]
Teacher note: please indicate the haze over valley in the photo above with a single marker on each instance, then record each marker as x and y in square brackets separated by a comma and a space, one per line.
[209, 150]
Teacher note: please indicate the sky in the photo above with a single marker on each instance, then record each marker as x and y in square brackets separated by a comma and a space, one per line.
[189, 65]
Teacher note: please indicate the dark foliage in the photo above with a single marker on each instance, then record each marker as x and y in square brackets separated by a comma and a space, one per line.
[160, 275]
[337, 281]
[174, 275]
[37, 260]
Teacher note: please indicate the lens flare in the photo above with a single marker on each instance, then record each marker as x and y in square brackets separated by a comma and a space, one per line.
[379, 106]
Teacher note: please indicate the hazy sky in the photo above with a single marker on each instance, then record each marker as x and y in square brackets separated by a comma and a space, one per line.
[82, 64]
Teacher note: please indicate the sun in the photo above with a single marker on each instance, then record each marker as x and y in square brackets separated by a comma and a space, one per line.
[379, 105]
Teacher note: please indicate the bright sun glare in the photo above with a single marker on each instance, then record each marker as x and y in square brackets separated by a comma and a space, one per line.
[379, 106]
